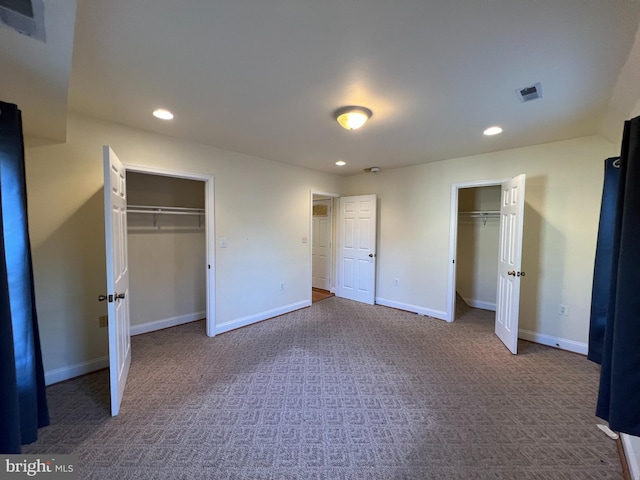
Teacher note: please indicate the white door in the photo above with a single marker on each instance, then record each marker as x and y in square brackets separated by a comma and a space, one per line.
[115, 219]
[510, 262]
[321, 245]
[357, 249]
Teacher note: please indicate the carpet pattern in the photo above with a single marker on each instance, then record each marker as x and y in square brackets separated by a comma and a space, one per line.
[337, 391]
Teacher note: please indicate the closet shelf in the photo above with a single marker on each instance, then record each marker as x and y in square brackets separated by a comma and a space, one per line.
[164, 210]
[157, 211]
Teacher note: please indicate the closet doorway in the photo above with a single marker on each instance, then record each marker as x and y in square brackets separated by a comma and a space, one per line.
[170, 248]
[509, 265]
[477, 249]
[322, 241]
[465, 218]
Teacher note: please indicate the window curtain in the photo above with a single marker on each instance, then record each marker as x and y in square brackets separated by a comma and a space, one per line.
[23, 405]
[619, 391]
[604, 252]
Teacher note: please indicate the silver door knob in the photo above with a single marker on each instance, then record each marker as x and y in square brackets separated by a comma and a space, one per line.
[120, 296]
[512, 272]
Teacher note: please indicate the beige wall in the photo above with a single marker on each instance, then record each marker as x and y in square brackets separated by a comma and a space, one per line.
[262, 208]
[563, 193]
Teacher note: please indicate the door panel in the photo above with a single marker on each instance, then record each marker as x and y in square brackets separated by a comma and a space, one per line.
[357, 249]
[115, 207]
[510, 262]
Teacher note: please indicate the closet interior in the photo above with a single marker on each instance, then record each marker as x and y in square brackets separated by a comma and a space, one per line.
[166, 251]
[477, 248]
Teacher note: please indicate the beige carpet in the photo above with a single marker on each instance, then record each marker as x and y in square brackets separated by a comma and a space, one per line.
[340, 390]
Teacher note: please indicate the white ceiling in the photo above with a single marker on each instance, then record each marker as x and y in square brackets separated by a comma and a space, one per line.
[263, 77]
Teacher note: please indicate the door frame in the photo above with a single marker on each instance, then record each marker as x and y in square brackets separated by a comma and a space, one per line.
[332, 252]
[453, 238]
[209, 230]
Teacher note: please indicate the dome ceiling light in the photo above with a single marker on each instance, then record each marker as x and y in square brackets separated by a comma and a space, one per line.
[352, 117]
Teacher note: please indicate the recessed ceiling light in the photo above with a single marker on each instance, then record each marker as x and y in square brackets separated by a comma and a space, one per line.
[492, 131]
[163, 114]
[341, 163]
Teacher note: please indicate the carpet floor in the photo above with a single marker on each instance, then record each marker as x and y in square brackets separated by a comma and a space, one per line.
[339, 390]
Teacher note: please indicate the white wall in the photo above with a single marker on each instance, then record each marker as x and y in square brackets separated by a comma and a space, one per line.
[477, 252]
[262, 208]
[563, 195]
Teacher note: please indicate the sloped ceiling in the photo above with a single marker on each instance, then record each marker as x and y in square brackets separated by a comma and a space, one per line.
[264, 77]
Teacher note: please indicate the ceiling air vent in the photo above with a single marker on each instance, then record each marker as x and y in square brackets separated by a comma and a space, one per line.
[24, 16]
[532, 92]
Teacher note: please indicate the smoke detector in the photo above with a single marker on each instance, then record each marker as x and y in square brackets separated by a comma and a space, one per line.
[372, 169]
[532, 92]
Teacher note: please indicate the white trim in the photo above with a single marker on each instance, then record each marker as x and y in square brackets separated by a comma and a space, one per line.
[439, 314]
[71, 371]
[551, 341]
[166, 323]
[244, 321]
[210, 239]
[631, 447]
[453, 238]
[480, 304]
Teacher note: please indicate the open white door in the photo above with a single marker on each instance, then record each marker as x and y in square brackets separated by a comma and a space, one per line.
[115, 219]
[510, 262]
[357, 249]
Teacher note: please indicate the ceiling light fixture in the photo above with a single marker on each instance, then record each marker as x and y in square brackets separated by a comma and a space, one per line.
[492, 131]
[341, 163]
[352, 117]
[163, 114]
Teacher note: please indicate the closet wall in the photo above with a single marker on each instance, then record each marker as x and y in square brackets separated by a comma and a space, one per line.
[167, 256]
[477, 254]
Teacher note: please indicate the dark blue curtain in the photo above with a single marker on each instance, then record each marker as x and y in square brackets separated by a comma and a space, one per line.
[619, 391]
[23, 405]
[604, 251]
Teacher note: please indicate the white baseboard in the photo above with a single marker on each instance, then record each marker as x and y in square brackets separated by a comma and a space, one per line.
[71, 371]
[631, 446]
[412, 308]
[166, 323]
[480, 304]
[244, 321]
[562, 343]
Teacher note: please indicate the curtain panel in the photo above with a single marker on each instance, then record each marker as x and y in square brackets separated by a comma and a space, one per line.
[23, 405]
[619, 349]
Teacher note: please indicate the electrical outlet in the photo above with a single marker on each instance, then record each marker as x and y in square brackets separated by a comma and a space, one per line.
[103, 321]
[563, 309]
[396, 282]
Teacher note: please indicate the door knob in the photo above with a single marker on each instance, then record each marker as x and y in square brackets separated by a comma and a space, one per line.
[521, 274]
[512, 272]
[120, 296]
[102, 298]
[372, 255]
